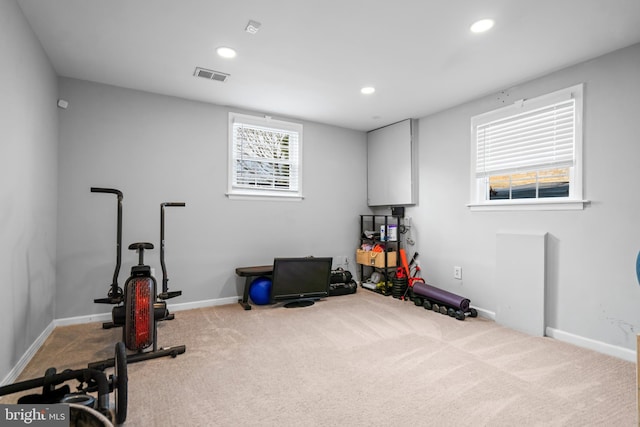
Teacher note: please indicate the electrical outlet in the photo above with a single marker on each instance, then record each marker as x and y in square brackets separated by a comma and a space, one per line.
[457, 273]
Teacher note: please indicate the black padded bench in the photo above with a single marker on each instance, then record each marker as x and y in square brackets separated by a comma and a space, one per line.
[250, 273]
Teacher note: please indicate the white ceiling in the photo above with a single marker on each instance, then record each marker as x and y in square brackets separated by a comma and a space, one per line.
[311, 57]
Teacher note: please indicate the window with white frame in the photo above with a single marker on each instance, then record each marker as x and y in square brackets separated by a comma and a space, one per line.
[529, 154]
[265, 157]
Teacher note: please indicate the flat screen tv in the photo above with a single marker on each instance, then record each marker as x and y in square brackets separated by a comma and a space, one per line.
[298, 282]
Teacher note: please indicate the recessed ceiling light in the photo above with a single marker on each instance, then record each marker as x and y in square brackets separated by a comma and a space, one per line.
[226, 52]
[482, 25]
[368, 90]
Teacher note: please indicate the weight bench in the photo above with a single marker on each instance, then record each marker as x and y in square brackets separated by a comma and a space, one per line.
[251, 273]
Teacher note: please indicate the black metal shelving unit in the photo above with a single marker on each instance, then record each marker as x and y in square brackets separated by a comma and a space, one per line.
[370, 233]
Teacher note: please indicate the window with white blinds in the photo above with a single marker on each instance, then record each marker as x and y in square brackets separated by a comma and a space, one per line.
[529, 152]
[537, 139]
[264, 157]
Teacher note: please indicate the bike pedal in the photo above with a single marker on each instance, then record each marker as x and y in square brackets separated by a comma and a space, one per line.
[169, 295]
[109, 300]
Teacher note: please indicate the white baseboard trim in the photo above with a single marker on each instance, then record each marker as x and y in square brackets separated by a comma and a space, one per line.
[600, 347]
[10, 378]
[203, 303]
[101, 317]
[106, 317]
[491, 315]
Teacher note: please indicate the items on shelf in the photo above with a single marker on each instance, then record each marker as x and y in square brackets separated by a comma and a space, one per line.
[377, 255]
[378, 259]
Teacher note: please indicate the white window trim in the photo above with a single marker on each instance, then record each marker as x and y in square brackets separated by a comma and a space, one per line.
[262, 194]
[527, 205]
[575, 200]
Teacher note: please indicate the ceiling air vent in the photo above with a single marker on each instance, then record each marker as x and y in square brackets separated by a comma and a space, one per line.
[210, 74]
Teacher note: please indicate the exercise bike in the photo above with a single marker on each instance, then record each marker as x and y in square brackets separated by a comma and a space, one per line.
[90, 381]
[139, 307]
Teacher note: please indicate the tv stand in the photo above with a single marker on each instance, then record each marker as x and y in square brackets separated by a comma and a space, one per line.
[299, 303]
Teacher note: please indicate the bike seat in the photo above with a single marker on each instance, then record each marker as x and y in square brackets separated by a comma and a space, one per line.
[140, 245]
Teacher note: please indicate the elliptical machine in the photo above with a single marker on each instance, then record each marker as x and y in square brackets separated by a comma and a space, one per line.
[139, 307]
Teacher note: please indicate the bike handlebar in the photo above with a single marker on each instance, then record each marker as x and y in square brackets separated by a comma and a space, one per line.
[181, 204]
[106, 190]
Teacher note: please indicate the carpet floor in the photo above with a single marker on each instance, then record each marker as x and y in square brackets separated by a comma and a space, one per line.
[353, 360]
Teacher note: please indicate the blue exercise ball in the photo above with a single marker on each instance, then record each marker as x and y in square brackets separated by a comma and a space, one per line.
[260, 291]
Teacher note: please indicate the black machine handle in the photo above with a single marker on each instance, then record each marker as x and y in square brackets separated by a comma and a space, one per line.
[107, 190]
[81, 375]
[165, 279]
[115, 295]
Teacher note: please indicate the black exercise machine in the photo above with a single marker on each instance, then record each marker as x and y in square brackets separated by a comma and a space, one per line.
[90, 381]
[139, 307]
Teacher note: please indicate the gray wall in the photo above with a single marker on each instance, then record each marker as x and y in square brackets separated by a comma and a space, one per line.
[157, 149]
[28, 190]
[592, 290]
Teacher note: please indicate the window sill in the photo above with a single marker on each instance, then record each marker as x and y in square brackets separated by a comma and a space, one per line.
[526, 205]
[265, 196]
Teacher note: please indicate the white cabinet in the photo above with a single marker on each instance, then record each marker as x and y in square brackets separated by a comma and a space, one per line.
[392, 170]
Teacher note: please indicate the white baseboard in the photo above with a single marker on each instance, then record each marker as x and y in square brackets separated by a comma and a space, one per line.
[106, 317]
[491, 315]
[202, 304]
[600, 347]
[101, 317]
[28, 355]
